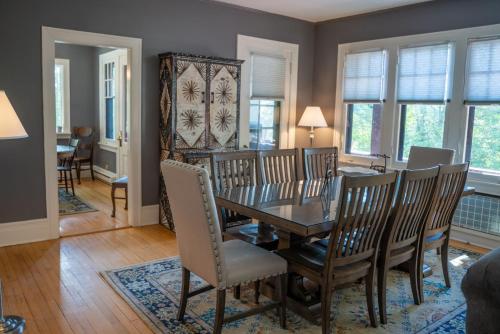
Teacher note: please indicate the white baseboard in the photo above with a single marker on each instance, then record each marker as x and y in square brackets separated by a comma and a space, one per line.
[24, 232]
[104, 174]
[473, 237]
[150, 215]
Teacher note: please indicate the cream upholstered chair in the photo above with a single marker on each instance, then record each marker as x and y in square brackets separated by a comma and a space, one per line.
[427, 157]
[222, 264]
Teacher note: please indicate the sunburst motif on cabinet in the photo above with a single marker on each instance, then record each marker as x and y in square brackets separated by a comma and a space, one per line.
[199, 103]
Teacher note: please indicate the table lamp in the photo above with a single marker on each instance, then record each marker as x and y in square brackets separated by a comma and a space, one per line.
[313, 117]
[10, 128]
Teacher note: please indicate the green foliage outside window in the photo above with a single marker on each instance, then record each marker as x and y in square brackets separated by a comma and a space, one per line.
[485, 150]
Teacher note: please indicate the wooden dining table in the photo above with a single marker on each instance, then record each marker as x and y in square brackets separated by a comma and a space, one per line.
[298, 210]
[63, 150]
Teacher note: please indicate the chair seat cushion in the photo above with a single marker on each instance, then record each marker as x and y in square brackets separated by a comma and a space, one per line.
[121, 181]
[434, 237]
[247, 263]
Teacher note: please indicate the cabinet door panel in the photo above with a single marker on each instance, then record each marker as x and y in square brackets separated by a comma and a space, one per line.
[223, 105]
[191, 109]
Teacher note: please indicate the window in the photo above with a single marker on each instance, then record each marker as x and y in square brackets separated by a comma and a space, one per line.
[267, 93]
[109, 98]
[422, 91]
[482, 98]
[363, 94]
[62, 95]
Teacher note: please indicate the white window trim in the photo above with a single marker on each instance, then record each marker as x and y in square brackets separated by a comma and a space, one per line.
[66, 131]
[456, 113]
[248, 45]
[107, 143]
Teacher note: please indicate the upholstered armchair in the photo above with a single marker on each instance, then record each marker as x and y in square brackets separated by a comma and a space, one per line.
[223, 265]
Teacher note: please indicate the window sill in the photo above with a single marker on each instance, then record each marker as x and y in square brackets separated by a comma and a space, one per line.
[108, 147]
[63, 135]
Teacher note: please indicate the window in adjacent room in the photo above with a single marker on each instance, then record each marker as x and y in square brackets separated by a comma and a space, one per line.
[62, 95]
[423, 89]
[364, 82]
[482, 98]
[268, 75]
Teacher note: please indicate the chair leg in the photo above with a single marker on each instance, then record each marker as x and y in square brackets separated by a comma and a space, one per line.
[66, 181]
[71, 180]
[370, 281]
[420, 275]
[283, 284]
[326, 303]
[113, 190]
[257, 291]
[186, 274]
[219, 311]
[92, 170]
[413, 280]
[382, 293]
[438, 251]
[126, 198]
[237, 292]
[78, 171]
[444, 263]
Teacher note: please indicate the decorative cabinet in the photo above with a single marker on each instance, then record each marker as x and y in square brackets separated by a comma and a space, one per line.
[200, 111]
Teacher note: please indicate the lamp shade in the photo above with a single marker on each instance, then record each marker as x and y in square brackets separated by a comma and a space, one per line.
[313, 116]
[10, 125]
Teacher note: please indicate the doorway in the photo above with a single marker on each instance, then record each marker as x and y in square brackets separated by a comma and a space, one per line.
[118, 131]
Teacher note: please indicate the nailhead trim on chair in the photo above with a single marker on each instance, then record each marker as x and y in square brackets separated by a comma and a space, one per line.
[214, 220]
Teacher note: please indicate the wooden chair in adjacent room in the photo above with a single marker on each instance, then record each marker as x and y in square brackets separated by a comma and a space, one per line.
[222, 264]
[278, 166]
[84, 159]
[364, 206]
[315, 160]
[65, 166]
[448, 191]
[400, 240]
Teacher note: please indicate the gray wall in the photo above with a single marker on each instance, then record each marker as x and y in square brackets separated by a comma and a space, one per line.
[416, 19]
[200, 27]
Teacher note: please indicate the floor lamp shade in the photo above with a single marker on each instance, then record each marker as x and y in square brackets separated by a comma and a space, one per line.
[313, 116]
[10, 125]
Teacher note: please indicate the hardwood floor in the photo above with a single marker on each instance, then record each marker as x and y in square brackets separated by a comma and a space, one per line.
[98, 195]
[55, 285]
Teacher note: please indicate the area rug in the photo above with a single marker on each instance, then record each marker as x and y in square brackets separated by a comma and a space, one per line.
[70, 205]
[152, 290]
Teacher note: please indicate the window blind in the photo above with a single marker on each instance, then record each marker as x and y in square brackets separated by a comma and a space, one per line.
[268, 77]
[483, 72]
[423, 73]
[364, 76]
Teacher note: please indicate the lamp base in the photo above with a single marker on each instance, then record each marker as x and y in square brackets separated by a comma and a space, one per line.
[311, 136]
[12, 324]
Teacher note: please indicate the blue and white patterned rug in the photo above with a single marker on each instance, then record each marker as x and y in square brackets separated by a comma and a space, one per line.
[152, 290]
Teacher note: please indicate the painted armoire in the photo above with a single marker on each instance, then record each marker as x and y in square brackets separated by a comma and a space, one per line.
[200, 111]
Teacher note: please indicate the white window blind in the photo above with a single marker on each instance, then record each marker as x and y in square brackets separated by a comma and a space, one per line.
[423, 74]
[483, 72]
[268, 77]
[364, 76]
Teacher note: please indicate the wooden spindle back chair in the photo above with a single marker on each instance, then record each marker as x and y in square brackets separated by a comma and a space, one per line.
[278, 166]
[314, 161]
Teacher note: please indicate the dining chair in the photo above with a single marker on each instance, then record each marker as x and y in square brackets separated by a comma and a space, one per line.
[222, 264]
[403, 230]
[351, 255]
[426, 157]
[278, 166]
[448, 191]
[64, 167]
[235, 169]
[85, 152]
[314, 161]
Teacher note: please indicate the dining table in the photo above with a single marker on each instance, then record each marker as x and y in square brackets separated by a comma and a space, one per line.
[298, 211]
[64, 150]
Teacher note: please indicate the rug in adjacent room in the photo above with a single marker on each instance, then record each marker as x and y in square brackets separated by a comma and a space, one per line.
[70, 205]
[152, 290]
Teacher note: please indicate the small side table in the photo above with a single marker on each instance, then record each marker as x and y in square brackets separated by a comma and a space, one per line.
[121, 183]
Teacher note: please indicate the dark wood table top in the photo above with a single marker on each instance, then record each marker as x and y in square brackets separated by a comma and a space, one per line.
[297, 207]
[65, 149]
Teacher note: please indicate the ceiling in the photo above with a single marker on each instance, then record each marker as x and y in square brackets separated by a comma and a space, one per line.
[320, 10]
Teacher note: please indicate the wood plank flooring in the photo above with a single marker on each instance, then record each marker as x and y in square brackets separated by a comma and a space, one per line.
[56, 284]
[98, 195]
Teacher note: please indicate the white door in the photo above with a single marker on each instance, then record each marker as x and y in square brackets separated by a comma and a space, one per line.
[114, 102]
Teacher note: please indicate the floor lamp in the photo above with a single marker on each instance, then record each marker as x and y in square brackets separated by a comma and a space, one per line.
[313, 118]
[10, 128]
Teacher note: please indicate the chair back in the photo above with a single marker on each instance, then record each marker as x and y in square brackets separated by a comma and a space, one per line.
[73, 142]
[426, 157]
[195, 219]
[233, 169]
[82, 132]
[315, 160]
[278, 166]
[66, 160]
[365, 203]
[449, 188]
[412, 203]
